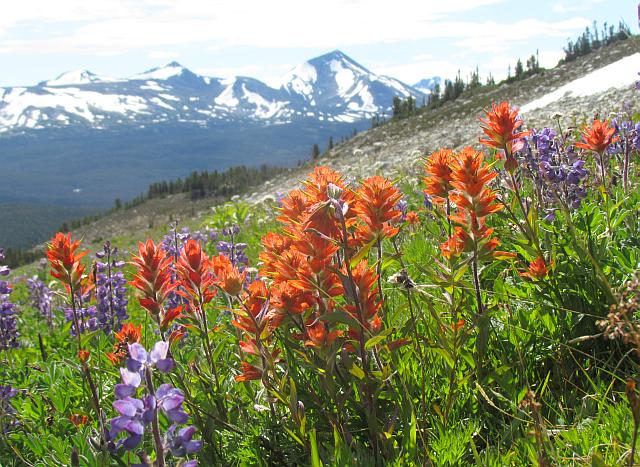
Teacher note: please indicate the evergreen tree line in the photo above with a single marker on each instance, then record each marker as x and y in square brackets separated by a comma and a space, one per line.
[593, 39]
[199, 185]
[15, 257]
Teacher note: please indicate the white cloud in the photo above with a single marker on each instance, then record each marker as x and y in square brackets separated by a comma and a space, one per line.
[162, 54]
[122, 25]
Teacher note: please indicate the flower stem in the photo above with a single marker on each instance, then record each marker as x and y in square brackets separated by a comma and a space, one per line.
[157, 440]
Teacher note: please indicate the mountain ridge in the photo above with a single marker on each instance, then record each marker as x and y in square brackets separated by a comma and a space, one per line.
[341, 90]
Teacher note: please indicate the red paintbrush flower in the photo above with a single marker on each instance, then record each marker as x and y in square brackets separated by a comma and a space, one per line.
[412, 218]
[598, 137]
[128, 334]
[64, 260]
[194, 275]
[273, 245]
[500, 125]
[375, 206]
[319, 335]
[472, 196]
[227, 276]
[537, 269]
[249, 373]
[153, 276]
[438, 180]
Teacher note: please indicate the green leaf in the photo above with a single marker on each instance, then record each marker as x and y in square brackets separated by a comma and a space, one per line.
[315, 455]
[356, 371]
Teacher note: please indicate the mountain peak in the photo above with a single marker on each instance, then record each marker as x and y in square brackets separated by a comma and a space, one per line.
[75, 77]
[167, 71]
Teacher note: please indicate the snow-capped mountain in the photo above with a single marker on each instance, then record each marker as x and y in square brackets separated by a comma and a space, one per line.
[428, 85]
[331, 87]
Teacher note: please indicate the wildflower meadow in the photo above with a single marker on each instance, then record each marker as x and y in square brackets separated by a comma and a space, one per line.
[481, 310]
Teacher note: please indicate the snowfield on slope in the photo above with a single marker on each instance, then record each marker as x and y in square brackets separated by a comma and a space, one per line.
[618, 74]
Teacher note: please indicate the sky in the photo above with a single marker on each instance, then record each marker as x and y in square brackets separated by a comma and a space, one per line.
[406, 39]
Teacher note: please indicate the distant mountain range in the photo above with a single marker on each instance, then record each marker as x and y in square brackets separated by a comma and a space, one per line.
[328, 88]
[80, 141]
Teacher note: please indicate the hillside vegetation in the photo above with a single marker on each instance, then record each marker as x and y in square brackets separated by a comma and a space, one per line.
[410, 300]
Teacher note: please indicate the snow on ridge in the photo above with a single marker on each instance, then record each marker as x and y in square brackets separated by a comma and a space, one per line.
[71, 100]
[226, 97]
[264, 108]
[76, 77]
[618, 74]
[300, 79]
[161, 73]
[345, 78]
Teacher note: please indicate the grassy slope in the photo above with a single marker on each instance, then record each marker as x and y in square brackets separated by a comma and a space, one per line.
[444, 126]
[586, 421]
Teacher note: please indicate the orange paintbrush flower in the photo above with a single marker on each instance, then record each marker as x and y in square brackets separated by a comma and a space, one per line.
[376, 206]
[366, 290]
[255, 314]
[455, 245]
[412, 218]
[227, 276]
[438, 180]
[128, 334]
[294, 205]
[273, 245]
[470, 178]
[153, 276]
[598, 137]
[249, 373]
[537, 269]
[286, 298]
[500, 125]
[64, 260]
[194, 275]
[319, 335]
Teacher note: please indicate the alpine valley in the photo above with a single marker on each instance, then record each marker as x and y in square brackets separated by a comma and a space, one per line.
[81, 140]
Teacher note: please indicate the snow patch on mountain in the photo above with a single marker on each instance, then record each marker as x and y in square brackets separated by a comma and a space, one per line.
[618, 74]
[161, 73]
[76, 77]
[343, 76]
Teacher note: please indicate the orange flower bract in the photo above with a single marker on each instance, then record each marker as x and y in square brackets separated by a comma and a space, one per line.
[500, 125]
[438, 180]
[64, 260]
[375, 205]
[597, 137]
[153, 276]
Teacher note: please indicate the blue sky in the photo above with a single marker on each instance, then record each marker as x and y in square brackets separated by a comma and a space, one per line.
[407, 39]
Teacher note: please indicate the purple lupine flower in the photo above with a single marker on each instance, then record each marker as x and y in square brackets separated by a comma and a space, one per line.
[41, 297]
[8, 330]
[140, 359]
[111, 294]
[233, 250]
[7, 412]
[136, 413]
[557, 172]
[85, 312]
[179, 442]
[402, 207]
[427, 201]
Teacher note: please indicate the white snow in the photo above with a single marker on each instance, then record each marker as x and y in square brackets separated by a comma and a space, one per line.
[619, 74]
[345, 78]
[300, 80]
[264, 108]
[169, 97]
[160, 103]
[76, 77]
[226, 97]
[162, 73]
[71, 100]
[152, 86]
